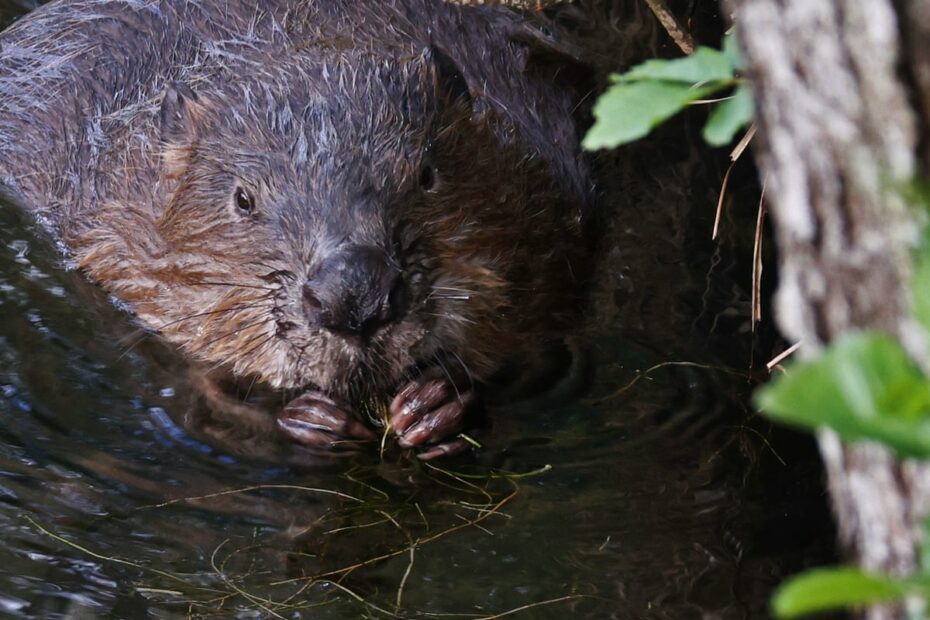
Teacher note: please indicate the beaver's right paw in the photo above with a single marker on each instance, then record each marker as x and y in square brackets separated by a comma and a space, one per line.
[428, 414]
[316, 421]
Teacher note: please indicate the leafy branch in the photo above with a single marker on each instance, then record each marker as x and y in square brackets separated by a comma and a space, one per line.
[864, 387]
[650, 93]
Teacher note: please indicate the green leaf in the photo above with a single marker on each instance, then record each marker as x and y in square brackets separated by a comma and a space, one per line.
[732, 52]
[834, 588]
[864, 387]
[628, 111]
[703, 66]
[729, 117]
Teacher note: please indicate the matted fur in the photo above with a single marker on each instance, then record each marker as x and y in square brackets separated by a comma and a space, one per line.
[326, 112]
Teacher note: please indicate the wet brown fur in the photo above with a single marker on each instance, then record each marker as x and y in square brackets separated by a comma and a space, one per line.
[326, 112]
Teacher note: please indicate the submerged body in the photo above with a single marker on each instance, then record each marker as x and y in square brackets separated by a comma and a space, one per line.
[346, 198]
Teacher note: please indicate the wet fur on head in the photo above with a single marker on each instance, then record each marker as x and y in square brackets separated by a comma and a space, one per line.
[329, 143]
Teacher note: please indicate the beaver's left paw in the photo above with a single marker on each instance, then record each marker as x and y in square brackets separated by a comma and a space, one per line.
[428, 412]
[318, 422]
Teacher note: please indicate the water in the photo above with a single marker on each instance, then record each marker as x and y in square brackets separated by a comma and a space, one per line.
[656, 495]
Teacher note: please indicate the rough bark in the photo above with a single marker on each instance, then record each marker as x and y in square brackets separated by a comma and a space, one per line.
[838, 137]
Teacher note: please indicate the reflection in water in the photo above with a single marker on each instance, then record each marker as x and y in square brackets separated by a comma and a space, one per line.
[644, 496]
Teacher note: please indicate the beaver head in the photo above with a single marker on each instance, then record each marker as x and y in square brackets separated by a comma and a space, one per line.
[337, 221]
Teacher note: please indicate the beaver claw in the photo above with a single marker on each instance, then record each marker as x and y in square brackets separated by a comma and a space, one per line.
[427, 411]
[316, 421]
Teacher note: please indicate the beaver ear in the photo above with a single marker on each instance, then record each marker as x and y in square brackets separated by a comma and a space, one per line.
[543, 55]
[448, 78]
[179, 109]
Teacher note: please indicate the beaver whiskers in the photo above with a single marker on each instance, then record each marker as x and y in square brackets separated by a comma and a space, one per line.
[342, 198]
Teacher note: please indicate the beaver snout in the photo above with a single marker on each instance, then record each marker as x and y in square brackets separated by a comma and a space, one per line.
[354, 292]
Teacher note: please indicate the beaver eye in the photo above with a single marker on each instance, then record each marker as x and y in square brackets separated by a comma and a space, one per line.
[427, 178]
[244, 201]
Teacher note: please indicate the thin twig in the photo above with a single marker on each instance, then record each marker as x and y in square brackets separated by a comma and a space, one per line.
[116, 560]
[257, 487]
[723, 192]
[515, 610]
[743, 427]
[679, 35]
[391, 554]
[649, 370]
[356, 596]
[264, 603]
[778, 359]
[403, 580]
[743, 143]
[757, 263]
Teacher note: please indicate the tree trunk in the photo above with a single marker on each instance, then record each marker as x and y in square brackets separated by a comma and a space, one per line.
[843, 104]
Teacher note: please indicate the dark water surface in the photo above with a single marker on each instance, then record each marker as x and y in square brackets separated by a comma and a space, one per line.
[660, 498]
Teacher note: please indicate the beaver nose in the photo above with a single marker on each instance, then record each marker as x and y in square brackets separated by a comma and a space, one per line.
[354, 292]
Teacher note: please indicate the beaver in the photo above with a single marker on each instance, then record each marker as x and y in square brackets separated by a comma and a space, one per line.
[345, 198]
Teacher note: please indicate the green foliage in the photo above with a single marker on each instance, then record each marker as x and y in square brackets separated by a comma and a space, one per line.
[729, 117]
[705, 65]
[835, 588]
[731, 51]
[864, 387]
[629, 110]
[648, 94]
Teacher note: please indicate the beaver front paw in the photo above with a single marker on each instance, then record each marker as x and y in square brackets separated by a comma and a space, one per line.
[428, 412]
[316, 421]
